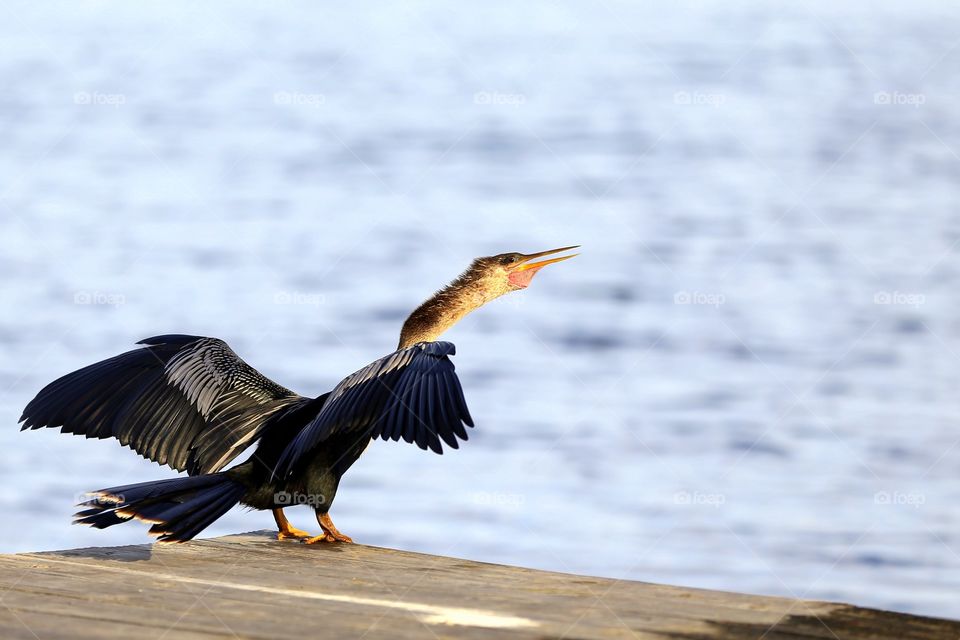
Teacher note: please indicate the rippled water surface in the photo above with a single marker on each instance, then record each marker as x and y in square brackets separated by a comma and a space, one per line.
[747, 381]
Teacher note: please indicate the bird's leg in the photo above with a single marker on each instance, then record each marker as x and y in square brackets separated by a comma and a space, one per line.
[327, 525]
[286, 530]
[330, 533]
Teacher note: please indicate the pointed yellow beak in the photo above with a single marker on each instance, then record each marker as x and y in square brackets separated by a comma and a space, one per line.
[525, 263]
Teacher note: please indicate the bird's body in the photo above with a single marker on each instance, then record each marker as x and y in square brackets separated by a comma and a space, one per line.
[190, 402]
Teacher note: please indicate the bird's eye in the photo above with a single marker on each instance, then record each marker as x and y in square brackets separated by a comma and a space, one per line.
[507, 260]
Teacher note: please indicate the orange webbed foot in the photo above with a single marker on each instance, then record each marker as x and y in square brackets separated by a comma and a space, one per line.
[292, 533]
[339, 537]
[323, 537]
[327, 525]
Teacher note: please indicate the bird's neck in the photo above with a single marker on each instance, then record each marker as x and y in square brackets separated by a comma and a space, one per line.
[443, 310]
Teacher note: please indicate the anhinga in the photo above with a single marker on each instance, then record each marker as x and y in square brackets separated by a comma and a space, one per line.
[191, 403]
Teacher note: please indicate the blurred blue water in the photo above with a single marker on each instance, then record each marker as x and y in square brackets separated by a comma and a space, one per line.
[748, 379]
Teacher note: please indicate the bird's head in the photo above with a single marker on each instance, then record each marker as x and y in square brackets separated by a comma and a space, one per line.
[494, 276]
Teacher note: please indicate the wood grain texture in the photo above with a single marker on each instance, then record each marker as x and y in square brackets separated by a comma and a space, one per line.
[252, 586]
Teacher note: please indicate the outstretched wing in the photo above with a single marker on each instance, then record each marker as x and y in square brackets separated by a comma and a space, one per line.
[185, 401]
[412, 394]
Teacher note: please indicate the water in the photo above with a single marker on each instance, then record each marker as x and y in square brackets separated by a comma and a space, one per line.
[295, 181]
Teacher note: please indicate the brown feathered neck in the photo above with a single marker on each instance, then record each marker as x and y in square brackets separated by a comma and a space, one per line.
[472, 289]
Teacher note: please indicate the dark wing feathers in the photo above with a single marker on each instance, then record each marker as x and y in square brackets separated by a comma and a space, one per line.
[186, 401]
[438, 399]
[454, 404]
[413, 394]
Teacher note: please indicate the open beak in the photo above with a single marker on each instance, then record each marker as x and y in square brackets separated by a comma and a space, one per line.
[526, 265]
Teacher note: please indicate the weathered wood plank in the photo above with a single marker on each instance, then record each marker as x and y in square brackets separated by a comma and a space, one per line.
[251, 586]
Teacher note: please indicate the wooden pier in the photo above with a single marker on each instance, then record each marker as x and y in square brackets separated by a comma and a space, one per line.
[252, 586]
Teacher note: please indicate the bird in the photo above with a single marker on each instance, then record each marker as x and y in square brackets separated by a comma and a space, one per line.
[191, 403]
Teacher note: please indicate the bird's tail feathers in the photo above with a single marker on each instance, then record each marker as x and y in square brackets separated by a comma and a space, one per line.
[178, 508]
